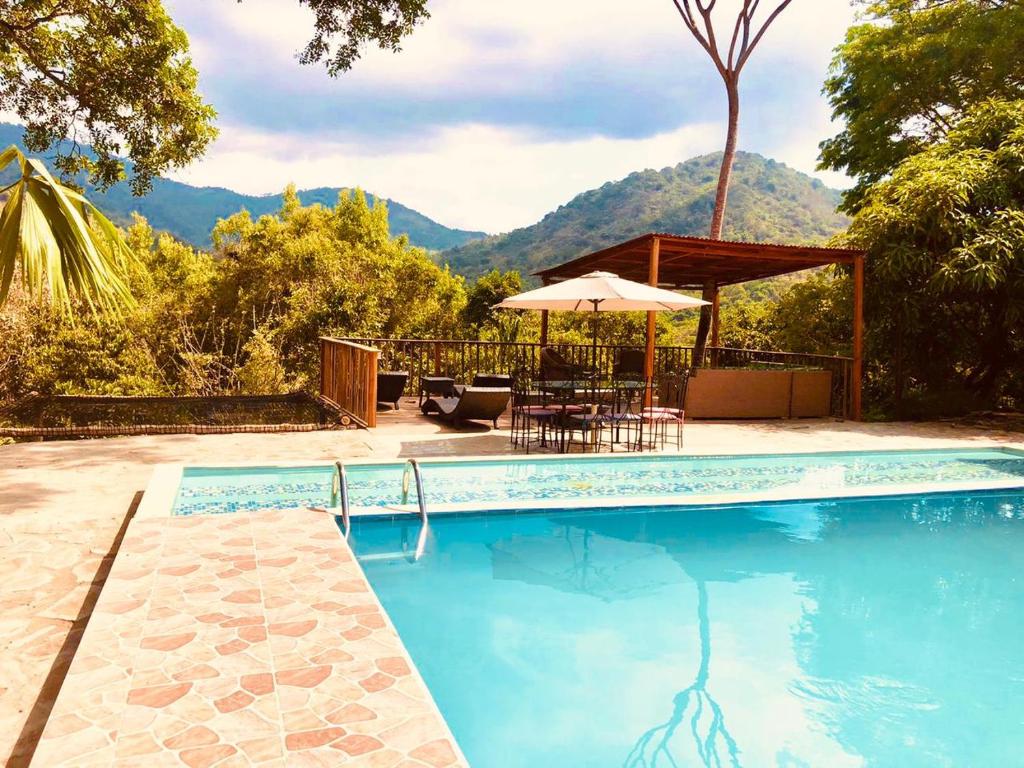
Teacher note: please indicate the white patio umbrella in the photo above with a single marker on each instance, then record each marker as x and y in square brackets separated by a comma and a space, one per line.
[600, 292]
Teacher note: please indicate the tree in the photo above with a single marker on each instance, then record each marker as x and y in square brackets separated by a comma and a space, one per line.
[342, 28]
[812, 315]
[911, 71]
[489, 289]
[746, 34]
[246, 317]
[944, 236]
[58, 241]
[114, 75]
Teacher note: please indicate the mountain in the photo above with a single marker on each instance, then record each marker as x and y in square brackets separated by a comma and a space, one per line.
[189, 213]
[768, 201]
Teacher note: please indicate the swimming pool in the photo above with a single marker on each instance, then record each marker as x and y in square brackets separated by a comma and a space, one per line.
[844, 632]
[510, 483]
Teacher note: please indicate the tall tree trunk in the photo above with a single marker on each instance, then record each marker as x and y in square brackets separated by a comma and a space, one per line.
[718, 216]
[728, 156]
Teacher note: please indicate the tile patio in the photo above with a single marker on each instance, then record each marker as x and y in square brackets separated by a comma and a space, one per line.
[247, 639]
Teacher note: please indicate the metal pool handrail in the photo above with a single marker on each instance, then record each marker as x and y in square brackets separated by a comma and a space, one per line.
[412, 468]
[342, 478]
[339, 495]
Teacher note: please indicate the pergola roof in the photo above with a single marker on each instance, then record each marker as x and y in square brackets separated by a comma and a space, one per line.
[690, 262]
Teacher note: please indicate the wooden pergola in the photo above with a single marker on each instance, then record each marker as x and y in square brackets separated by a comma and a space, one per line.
[698, 263]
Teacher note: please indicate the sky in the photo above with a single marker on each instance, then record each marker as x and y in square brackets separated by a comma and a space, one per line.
[493, 113]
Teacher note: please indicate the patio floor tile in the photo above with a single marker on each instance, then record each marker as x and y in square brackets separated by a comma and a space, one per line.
[250, 639]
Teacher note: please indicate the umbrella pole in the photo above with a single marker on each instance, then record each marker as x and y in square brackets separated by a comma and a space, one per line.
[593, 362]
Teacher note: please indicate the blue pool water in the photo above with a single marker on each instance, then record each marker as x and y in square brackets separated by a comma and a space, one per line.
[482, 483]
[870, 632]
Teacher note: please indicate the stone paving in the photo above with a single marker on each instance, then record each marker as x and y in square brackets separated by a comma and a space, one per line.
[62, 505]
[248, 639]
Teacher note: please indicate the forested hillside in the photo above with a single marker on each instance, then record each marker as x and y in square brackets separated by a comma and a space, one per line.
[190, 213]
[768, 201]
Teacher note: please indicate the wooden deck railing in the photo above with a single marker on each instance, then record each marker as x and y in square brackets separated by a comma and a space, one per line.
[348, 378]
[461, 359]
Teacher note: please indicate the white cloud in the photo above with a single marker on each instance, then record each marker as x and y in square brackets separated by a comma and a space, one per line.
[794, 138]
[470, 176]
[476, 169]
[469, 44]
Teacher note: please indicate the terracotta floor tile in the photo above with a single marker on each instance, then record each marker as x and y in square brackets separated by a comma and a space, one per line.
[438, 753]
[203, 757]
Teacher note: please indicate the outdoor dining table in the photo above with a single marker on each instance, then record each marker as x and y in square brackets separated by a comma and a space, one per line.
[571, 398]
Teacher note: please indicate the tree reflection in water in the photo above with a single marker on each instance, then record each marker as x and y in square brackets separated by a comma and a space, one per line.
[706, 721]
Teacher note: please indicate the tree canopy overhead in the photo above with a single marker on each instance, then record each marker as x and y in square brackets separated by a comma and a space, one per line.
[907, 74]
[343, 28]
[114, 75]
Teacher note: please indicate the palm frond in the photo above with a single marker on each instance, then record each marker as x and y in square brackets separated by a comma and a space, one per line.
[60, 242]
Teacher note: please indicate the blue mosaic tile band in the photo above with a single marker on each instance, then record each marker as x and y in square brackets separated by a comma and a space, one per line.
[495, 482]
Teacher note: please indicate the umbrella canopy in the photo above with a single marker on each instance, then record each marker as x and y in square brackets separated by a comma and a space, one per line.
[601, 292]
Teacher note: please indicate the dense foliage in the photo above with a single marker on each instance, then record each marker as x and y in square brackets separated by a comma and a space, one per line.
[795, 314]
[116, 75]
[767, 201]
[930, 95]
[245, 317]
[945, 242]
[909, 72]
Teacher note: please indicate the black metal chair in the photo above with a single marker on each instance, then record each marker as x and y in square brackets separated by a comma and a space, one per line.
[532, 418]
[625, 419]
[391, 386]
[590, 424]
[630, 365]
[669, 413]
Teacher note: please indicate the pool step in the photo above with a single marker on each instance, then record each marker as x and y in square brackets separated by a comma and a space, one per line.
[378, 556]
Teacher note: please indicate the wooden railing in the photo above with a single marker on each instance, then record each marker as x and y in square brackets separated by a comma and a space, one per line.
[348, 378]
[461, 359]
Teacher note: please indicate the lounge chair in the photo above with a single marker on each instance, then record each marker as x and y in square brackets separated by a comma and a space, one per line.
[475, 404]
[499, 380]
[554, 367]
[487, 380]
[390, 386]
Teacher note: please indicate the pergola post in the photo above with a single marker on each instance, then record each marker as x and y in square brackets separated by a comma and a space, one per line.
[714, 326]
[858, 334]
[649, 350]
[714, 318]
